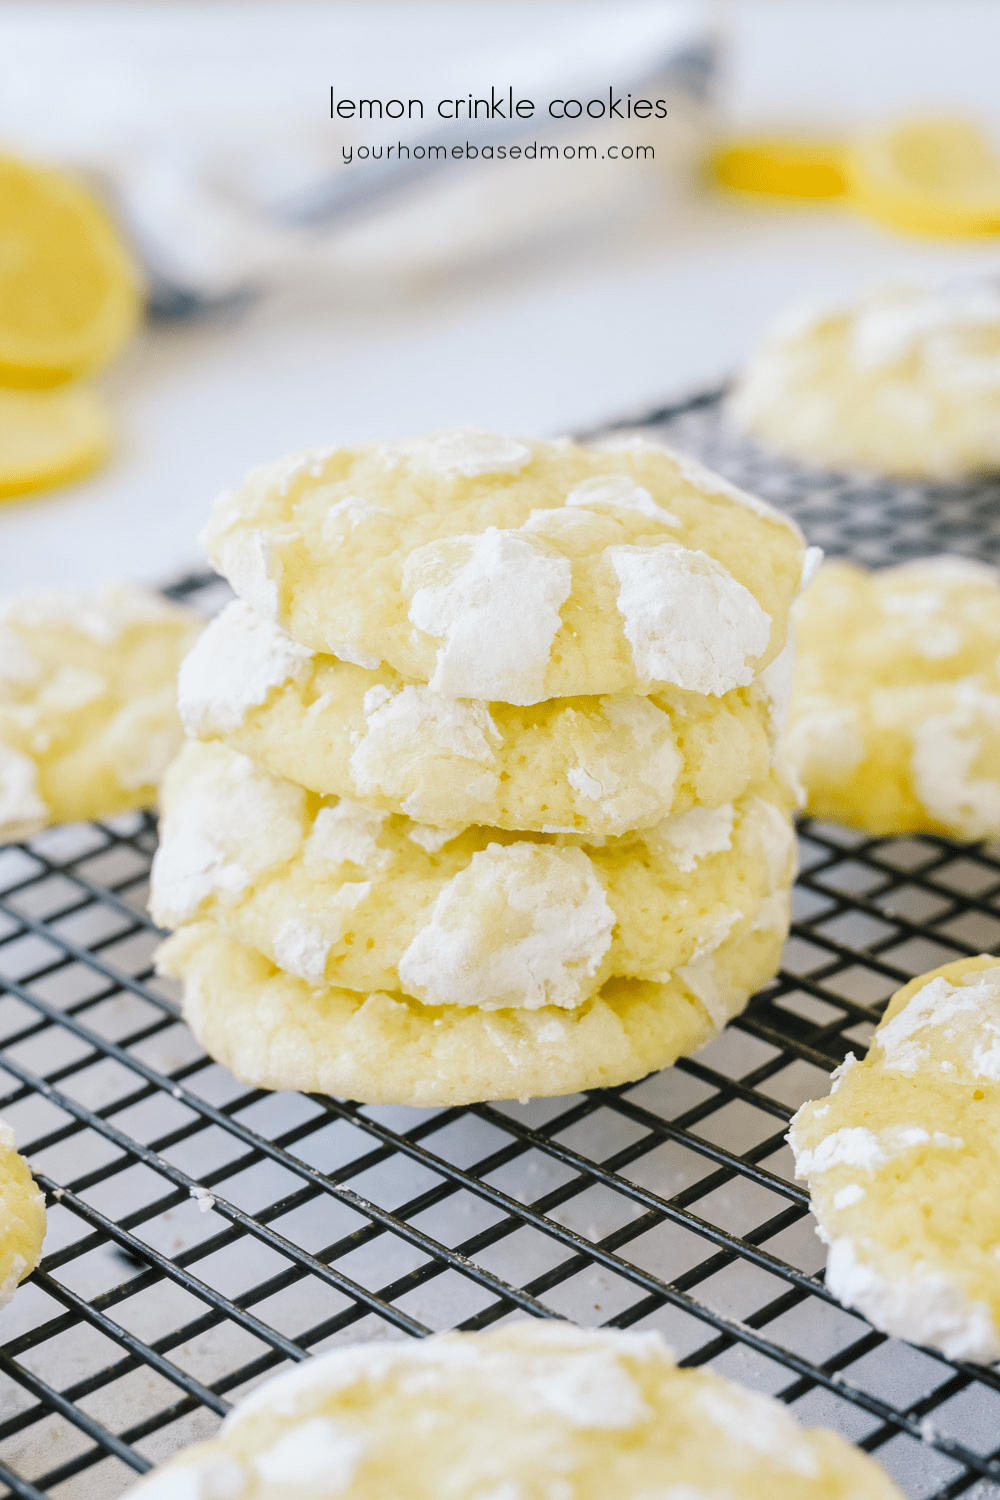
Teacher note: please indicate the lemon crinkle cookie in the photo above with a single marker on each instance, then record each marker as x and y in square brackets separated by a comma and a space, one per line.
[904, 382]
[894, 724]
[539, 1409]
[484, 798]
[22, 1217]
[88, 717]
[902, 1161]
[599, 765]
[336, 892]
[514, 571]
[277, 1031]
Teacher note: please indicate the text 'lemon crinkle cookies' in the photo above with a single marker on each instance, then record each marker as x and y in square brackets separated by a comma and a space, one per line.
[894, 724]
[415, 875]
[902, 1162]
[540, 1411]
[22, 1217]
[88, 715]
[906, 382]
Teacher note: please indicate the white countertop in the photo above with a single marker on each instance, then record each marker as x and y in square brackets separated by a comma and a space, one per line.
[558, 338]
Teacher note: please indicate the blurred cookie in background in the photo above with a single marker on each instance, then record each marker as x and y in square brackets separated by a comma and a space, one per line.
[894, 724]
[905, 382]
[88, 703]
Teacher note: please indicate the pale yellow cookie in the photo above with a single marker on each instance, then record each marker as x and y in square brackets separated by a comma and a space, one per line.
[533, 1411]
[902, 1162]
[894, 724]
[904, 382]
[514, 571]
[594, 765]
[22, 1217]
[275, 1031]
[88, 716]
[340, 893]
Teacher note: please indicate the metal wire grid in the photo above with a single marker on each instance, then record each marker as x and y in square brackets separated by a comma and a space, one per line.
[202, 1235]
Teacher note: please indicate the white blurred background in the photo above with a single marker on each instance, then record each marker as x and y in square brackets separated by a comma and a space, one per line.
[537, 305]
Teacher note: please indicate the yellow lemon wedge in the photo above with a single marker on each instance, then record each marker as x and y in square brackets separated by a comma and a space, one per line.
[786, 168]
[937, 176]
[49, 437]
[69, 295]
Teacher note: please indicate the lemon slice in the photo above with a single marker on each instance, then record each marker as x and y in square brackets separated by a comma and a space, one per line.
[68, 292]
[928, 176]
[49, 437]
[786, 168]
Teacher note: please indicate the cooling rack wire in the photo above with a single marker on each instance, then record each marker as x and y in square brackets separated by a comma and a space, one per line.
[202, 1235]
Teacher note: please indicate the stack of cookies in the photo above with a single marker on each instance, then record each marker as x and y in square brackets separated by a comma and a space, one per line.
[481, 799]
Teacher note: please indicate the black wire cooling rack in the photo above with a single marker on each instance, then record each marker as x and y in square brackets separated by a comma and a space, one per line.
[201, 1235]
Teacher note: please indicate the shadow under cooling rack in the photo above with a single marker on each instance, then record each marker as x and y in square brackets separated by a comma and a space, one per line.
[202, 1235]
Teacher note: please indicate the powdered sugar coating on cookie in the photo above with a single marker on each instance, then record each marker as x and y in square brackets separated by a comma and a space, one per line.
[88, 717]
[493, 603]
[235, 821]
[233, 667]
[894, 723]
[469, 451]
[696, 833]
[278, 1031]
[537, 1408]
[477, 562]
[686, 619]
[102, 617]
[946, 749]
[898, 1159]
[460, 728]
[541, 923]
[619, 490]
[598, 766]
[906, 381]
[247, 563]
[339, 891]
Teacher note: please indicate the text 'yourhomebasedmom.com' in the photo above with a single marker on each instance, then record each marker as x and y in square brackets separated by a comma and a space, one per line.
[532, 152]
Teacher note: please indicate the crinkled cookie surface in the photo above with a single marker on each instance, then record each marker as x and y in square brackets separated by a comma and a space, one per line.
[537, 1411]
[894, 724]
[276, 1031]
[514, 571]
[22, 1217]
[902, 1162]
[88, 716]
[339, 893]
[906, 382]
[595, 765]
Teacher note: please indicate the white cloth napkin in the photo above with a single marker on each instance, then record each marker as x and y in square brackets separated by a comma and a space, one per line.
[198, 120]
